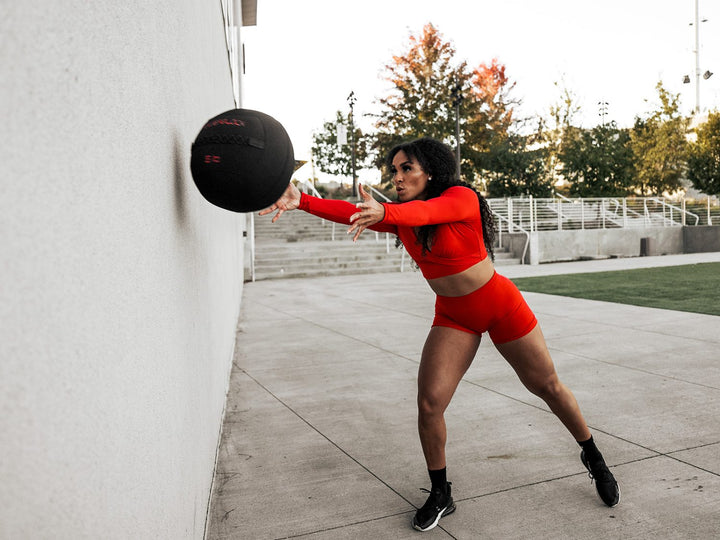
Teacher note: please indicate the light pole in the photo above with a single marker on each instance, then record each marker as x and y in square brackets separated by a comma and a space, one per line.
[457, 99]
[707, 73]
[603, 105]
[351, 100]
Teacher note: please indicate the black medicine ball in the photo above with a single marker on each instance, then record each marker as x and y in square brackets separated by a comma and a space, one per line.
[242, 160]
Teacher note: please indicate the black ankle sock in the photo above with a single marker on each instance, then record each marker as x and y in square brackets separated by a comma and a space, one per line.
[438, 478]
[591, 451]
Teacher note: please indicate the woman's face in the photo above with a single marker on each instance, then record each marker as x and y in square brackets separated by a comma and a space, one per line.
[408, 177]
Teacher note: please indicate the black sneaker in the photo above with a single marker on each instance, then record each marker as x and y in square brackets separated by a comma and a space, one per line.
[438, 504]
[605, 483]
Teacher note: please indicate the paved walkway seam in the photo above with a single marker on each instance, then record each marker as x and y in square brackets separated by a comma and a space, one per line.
[328, 439]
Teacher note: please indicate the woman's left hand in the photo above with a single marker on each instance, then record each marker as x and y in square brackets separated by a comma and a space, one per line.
[371, 212]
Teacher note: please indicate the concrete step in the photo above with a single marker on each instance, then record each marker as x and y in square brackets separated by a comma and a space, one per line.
[360, 260]
[308, 245]
[326, 271]
[303, 235]
[319, 262]
[503, 257]
[316, 232]
[305, 269]
[329, 260]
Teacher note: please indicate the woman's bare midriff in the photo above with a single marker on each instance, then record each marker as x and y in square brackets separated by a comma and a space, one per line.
[464, 282]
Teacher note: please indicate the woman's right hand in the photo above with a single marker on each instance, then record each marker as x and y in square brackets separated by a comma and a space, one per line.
[289, 200]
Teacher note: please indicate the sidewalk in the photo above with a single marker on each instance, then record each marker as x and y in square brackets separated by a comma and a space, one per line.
[320, 438]
[606, 265]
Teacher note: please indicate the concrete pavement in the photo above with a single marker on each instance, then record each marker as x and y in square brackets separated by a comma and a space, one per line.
[320, 438]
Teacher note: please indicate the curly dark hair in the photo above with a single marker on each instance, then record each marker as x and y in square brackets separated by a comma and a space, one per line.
[438, 161]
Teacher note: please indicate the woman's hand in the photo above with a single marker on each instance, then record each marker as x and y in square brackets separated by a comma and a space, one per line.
[289, 200]
[371, 212]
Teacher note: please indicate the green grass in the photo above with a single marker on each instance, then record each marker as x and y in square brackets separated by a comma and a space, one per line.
[693, 287]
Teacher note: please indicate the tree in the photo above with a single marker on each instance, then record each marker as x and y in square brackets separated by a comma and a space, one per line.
[334, 159]
[659, 147]
[704, 157]
[488, 115]
[552, 132]
[598, 162]
[515, 164]
[420, 103]
[515, 169]
[563, 113]
[421, 100]
[490, 90]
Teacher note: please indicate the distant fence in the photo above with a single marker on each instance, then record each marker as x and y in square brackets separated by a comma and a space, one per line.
[536, 229]
[560, 213]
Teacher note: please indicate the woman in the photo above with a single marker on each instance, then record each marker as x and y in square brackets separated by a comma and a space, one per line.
[448, 229]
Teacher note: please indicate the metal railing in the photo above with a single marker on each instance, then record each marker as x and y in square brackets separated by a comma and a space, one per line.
[708, 211]
[250, 225]
[309, 188]
[511, 228]
[561, 213]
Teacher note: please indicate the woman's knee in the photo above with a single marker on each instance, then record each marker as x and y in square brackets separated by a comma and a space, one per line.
[548, 389]
[430, 404]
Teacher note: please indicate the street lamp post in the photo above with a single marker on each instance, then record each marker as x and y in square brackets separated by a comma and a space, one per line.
[351, 100]
[457, 99]
[697, 58]
[603, 105]
[707, 73]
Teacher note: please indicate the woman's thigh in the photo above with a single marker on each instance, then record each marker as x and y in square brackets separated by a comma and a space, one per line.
[446, 356]
[530, 358]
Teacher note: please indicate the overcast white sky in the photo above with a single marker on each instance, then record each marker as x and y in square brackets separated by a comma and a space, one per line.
[305, 56]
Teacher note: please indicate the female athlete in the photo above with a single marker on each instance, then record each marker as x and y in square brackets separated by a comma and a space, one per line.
[448, 229]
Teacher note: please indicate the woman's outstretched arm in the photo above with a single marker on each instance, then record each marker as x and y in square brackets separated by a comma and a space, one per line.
[330, 209]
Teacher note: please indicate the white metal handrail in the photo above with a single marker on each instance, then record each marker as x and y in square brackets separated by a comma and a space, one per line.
[376, 192]
[683, 212]
[515, 226]
[707, 211]
[563, 213]
[250, 222]
[311, 188]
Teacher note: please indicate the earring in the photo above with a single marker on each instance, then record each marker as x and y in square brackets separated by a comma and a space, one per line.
[429, 178]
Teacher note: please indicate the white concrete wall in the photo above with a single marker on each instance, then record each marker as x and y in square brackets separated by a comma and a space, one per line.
[120, 284]
[569, 245]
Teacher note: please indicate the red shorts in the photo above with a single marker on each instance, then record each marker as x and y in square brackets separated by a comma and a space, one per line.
[497, 307]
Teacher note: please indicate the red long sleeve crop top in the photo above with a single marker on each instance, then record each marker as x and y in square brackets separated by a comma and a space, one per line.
[458, 242]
